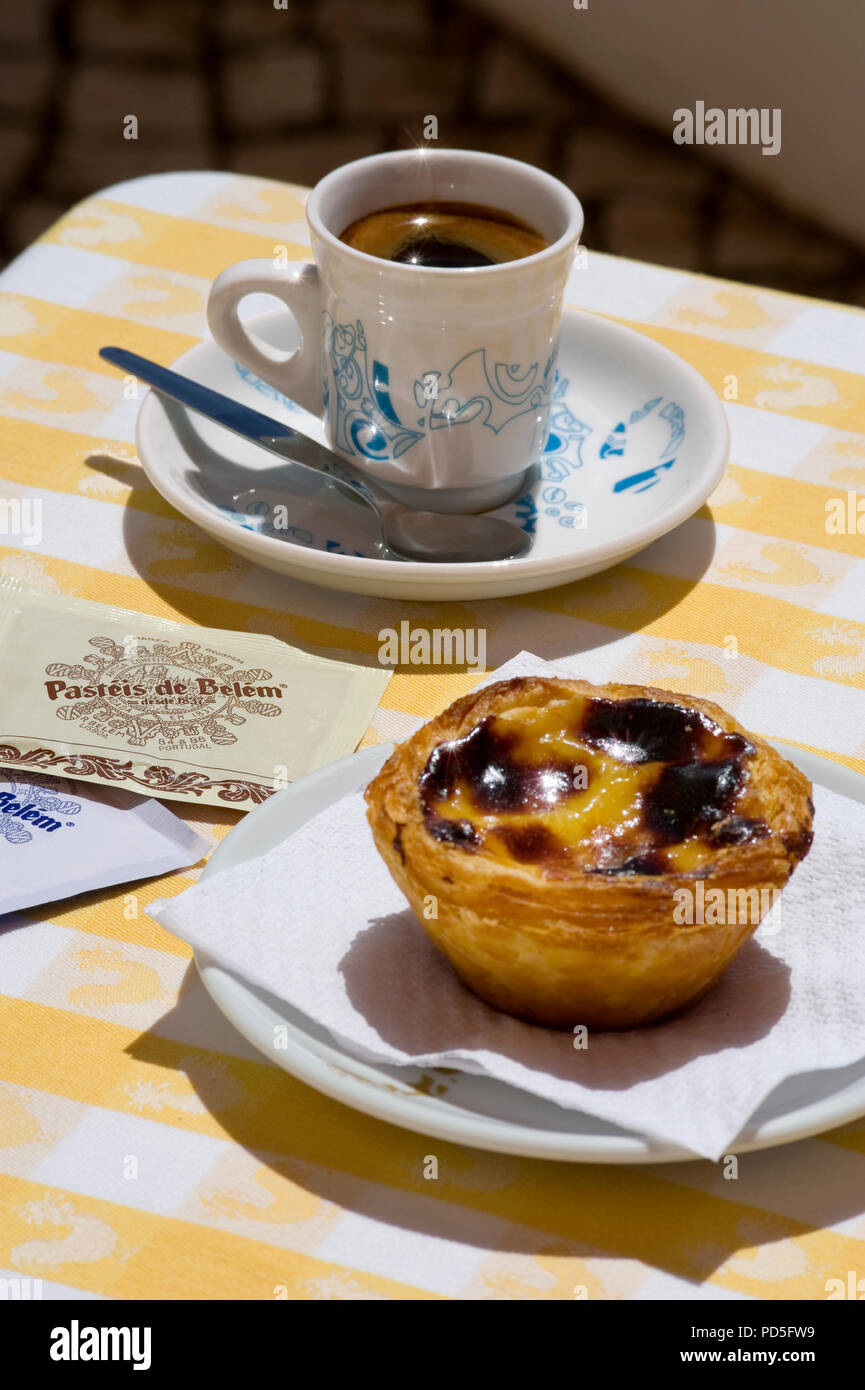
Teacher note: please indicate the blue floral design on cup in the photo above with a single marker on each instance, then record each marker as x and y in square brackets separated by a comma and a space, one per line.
[470, 391]
[362, 417]
[364, 421]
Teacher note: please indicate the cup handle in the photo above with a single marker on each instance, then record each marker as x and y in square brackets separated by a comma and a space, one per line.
[297, 373]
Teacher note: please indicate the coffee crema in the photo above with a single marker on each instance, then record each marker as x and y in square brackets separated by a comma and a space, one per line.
[450, 236]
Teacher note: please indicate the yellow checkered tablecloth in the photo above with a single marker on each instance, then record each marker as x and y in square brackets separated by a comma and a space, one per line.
[145, 1149]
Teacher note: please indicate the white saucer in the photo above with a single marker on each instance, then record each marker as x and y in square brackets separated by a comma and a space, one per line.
[638, 441]
[476, 1110]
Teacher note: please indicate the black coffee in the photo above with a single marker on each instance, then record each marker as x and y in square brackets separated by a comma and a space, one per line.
[448, 235]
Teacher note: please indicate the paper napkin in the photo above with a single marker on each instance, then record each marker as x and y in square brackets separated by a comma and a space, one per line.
[319, 922]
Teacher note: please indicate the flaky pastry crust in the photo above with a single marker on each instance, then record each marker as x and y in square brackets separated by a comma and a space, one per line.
[560, 945]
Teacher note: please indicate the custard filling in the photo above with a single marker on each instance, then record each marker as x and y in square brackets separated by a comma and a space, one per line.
[606, 786]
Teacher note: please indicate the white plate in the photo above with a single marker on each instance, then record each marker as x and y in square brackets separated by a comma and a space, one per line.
[638, 441]
[474, 1109]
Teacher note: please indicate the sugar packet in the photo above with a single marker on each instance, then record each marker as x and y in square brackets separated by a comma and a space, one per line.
[58, 839]
[166, 709]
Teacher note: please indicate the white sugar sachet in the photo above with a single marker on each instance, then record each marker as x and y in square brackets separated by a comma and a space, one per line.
[319, 922]
[59, 838]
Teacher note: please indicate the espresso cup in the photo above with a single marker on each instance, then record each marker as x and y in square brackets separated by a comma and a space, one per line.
[436, 381]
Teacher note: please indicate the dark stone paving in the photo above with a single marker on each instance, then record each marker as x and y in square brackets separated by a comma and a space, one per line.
[291, 92]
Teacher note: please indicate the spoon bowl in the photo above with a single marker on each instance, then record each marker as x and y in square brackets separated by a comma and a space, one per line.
[448, 539]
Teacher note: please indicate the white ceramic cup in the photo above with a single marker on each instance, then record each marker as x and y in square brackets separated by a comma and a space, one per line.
[435, 381]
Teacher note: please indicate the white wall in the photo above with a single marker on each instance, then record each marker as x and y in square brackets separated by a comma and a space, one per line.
[805, 56]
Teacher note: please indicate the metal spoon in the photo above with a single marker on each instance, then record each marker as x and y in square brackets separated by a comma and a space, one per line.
[410, 534]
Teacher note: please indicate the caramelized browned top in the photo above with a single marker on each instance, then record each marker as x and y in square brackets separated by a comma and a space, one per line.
[609, 786]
